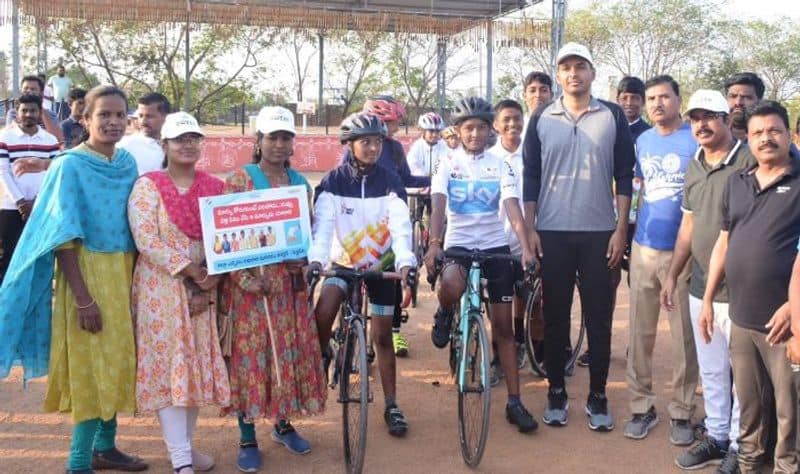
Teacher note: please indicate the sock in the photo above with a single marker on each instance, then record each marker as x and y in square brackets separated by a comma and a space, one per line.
[390, 401]
[283, 427]
[175, 429]
[247, 431]
[394, 329]
[80, 446]
[722, 444]
[514, 400]
[106, 432]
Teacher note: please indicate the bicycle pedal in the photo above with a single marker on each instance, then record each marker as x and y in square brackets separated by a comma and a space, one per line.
[404, 317]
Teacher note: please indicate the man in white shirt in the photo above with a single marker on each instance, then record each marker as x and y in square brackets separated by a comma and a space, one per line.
[35, 85]
[145, 145]
[18, 193]
[61, 85]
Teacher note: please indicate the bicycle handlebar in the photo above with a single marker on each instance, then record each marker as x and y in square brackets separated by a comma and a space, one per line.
[350, 274]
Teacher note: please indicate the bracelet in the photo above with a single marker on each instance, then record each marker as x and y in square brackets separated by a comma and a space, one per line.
[436, 241]
[204, 279]
[87, 306]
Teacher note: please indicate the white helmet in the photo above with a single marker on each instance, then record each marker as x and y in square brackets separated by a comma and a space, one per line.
[431, 121]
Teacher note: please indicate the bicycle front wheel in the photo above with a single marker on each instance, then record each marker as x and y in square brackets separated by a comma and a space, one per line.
[354, 397]
[474, 395]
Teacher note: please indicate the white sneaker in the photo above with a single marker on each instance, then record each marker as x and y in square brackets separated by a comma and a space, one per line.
[201, 461]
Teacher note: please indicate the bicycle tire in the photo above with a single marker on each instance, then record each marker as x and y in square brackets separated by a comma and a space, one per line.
[537, 360]
[532, 306]
[354, 397]
[475, 351]
[419, 252]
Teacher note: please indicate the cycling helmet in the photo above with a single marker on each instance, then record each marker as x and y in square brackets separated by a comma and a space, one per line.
[431, 121]
[361, 125]
[385, 107]
[472, 107]
[448, 132]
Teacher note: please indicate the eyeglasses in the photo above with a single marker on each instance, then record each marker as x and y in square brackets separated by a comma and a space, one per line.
[707, 117]
[189, 139]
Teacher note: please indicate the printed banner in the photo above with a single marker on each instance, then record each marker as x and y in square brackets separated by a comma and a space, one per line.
[255, 228]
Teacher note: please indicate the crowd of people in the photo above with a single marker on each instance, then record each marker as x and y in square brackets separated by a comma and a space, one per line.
[105, 287]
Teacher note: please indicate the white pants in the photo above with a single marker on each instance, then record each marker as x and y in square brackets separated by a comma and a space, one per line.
[177, 426]
[722, 419]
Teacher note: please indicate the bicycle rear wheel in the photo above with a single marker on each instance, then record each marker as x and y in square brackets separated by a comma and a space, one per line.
[354, 397]
[474, 397]
[534, 333]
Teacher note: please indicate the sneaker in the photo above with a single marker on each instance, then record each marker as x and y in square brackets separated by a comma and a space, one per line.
[495, 373]
[641, 424]
[395, 420]
[519, 416]
[285, 434]
[249, 459]
[681, 433]
[583, 359]
[115, 459]
[77, 471]
[522, 355]
[400, 344]
[201, 461]
[600, 418]
[730, 464]
[440, 334]
[703, 454]
[555, 414]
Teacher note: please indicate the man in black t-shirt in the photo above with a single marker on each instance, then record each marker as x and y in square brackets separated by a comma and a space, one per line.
[754, 253]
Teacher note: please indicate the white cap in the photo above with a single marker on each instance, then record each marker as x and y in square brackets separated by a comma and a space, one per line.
[179, 123]
[707, 99]
[574, 49]
[275, 119]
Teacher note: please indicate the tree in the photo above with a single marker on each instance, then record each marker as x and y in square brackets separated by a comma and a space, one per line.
[300, 52]
[352, 64]
[641, 37]
[142, 58]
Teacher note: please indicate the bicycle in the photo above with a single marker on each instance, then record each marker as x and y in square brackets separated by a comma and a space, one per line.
[350, 368]
[419, 236]
[534, 328]
[470, 355]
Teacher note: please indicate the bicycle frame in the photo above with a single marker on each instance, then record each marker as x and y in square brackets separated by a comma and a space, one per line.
[470, 301]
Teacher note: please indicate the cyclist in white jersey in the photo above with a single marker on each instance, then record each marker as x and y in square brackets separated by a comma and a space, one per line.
[472, 184]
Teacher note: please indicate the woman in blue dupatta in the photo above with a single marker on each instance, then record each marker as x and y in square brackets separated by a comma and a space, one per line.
[78, 230]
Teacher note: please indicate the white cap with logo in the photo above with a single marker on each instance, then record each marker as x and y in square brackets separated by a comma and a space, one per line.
[275, 119]
[179, 123]
[707, 99]
[574, 49]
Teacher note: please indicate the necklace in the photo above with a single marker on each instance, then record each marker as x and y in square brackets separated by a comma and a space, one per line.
[277, 179]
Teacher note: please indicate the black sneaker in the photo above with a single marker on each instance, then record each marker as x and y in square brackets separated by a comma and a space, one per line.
[583, 359]
[519, 416]
[395, 420]
[600, 418]
[730, 464]
[440, 334]
[704, 453]
[555, 414]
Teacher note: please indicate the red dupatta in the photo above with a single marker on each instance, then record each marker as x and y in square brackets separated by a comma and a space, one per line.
[184, 209]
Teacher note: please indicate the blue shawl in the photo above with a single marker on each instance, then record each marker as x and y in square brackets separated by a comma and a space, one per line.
[82, 197]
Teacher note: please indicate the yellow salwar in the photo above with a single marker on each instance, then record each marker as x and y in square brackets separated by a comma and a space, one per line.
[93, 375]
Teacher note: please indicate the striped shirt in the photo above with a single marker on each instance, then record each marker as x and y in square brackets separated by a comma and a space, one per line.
[14, 144]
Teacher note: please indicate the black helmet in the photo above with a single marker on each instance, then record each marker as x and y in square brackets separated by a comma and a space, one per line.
[472, 107]
[361, 125]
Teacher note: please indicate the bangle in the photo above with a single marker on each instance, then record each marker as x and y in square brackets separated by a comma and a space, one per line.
[87, 306]
[204, 279]
[436, 241]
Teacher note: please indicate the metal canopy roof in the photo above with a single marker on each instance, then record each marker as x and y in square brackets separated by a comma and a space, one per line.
[442, 17]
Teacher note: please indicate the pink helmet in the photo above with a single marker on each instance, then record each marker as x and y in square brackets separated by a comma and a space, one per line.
[385, 107]
[431, 121]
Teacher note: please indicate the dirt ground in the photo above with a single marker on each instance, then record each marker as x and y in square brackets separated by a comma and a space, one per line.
[33, 442]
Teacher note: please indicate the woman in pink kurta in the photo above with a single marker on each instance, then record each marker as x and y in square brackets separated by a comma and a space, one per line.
[179, 362]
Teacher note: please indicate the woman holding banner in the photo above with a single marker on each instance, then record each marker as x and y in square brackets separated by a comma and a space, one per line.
[275, 362]
[180, 364]
[84, 321]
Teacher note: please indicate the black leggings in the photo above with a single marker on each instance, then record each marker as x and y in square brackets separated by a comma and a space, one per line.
[11, 225]
[566, 253]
